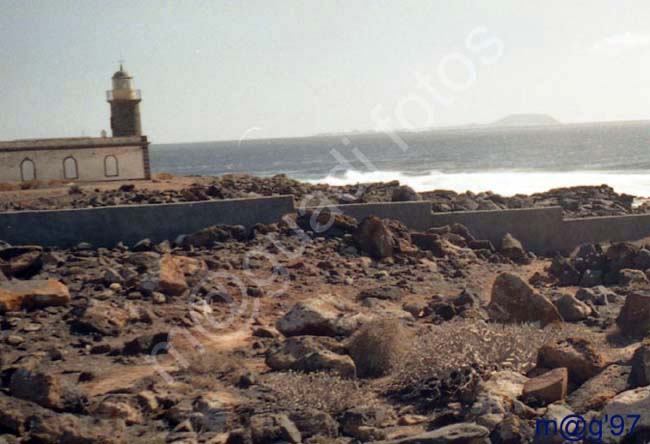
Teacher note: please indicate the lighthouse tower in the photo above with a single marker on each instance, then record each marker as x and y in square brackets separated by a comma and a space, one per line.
[125, 105]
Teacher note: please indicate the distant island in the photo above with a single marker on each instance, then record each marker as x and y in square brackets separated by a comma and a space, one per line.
[525, 120]
[510, 121]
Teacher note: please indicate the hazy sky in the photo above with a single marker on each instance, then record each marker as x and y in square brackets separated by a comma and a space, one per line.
[226, 70]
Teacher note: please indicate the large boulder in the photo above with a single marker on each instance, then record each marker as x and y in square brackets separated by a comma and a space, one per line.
[374, 238]
[43, 426]
[598, 295]
[564, 271]
[271, 428]
[555, 425]
[642, 259]
[21, 261]
[101, 317]
[512, 249]
[42, 386]
[632, 406]
[366, 423]
[547, 388]
[17, 295]
[327, 223]
[641, 365]
[315, 422]
[311, 354]
[571, 309]
[634, 317]
[327, 361]
[621, 255]
[597, 391]
[513, 300]
[171, 278]
[312, 317]
[578, 355]
[589, 257]
[495, 397]
[404, 193]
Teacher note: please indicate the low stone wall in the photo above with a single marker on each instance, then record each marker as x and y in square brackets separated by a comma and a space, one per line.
[415, 215]
[600, 229]
[536, 228]
[105, 227]
[541, 230]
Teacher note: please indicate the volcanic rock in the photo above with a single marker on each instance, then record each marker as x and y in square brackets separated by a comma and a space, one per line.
[629, 404]
[374, 238]
[172, 280]
[547, 388]
[311, 317]
[274, 428]
[564, 271]
[404, 193]
[513, 300]
[100, 317]
[571, 309]
[597, 391]
[578, 355]
[630, 277]
[512, 249]
[641, 365]
[634, 318]
[16, 295]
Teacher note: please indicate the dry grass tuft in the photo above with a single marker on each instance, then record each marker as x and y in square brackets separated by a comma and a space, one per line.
[319, 391]
[379, 346]
[454, 352]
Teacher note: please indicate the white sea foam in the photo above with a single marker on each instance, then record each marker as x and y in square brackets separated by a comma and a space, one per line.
[506, 183]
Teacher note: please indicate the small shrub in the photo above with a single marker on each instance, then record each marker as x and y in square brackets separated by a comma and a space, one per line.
[378, 347]
[447, 359]
[320, 391]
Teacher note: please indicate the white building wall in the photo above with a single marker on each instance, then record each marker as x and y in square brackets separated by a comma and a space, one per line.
[90, 163]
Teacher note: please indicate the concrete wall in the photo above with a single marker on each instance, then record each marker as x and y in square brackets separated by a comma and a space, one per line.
[544, 231]
[415, 215]
[541, 230]
[601, 229]
[538, 228]
[105, 227]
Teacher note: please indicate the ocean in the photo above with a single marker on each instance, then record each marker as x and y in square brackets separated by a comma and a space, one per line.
[503, 160]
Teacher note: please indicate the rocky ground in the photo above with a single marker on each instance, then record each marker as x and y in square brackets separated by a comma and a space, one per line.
[576, 202]
[363, 333]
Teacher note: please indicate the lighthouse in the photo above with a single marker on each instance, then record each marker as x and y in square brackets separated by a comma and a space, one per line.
[125, 105]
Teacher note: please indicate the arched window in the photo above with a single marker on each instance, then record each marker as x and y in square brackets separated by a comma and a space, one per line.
[70, 170]
[27, 170]
[111, 167]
